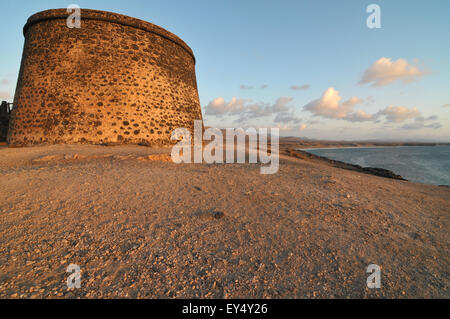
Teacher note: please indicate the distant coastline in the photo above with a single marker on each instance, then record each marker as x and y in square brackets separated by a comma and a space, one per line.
[414, 163]
[305, 144]
[367, 146]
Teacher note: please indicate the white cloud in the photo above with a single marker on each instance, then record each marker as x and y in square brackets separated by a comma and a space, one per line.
[329, 105]
[397, 114]
[289, 128]
[446, 105]
[258, 110]
[421, 122]
[359, 116]
[247, 110]
[281, 112]
[283, 127]
[281, 105]
[300, 87]
[219, 106]
[287, 118]
[369, 100]
[385, 71]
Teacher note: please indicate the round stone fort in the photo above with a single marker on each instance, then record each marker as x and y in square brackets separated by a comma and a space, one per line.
[114, 80]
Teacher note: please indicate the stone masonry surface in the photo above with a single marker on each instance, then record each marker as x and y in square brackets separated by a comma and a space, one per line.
[115, 80]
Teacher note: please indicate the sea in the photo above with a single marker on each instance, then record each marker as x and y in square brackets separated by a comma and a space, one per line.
[422, 164]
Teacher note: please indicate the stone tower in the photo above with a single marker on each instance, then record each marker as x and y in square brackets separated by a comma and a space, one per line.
[115, 80]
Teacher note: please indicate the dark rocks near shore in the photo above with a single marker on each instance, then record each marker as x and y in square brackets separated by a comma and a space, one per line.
[381, 172]
[368, 170]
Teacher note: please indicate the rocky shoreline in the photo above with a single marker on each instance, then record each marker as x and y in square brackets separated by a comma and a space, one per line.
[368, 170]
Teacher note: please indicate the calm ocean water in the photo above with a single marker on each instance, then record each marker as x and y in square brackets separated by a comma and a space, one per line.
[423, 164]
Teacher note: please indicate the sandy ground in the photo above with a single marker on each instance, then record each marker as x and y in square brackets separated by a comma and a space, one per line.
[143, 227]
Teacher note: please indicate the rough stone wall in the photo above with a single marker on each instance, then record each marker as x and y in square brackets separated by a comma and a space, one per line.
[116, 80]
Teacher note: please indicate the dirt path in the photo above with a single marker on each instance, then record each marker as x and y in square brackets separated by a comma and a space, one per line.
[144, 227]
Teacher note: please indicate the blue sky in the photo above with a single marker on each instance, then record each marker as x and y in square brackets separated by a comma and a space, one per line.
[323, 47]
